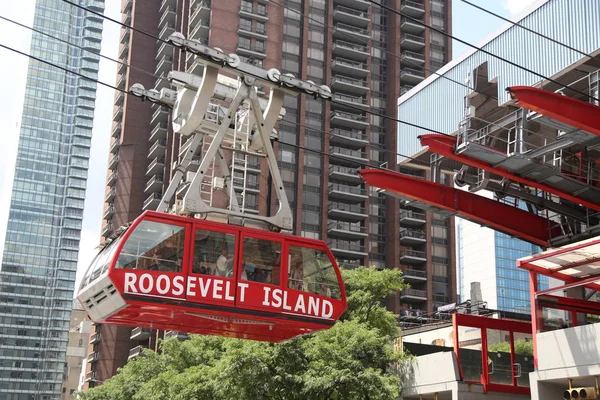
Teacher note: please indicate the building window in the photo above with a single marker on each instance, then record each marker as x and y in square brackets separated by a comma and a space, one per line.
[244, 43]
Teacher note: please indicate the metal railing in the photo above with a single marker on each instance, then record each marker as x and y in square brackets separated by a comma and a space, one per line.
[413, 292]
[353, 208]
[412, 54]
[413, 253]
[352, 46]
[346, 245]
[414, 38]
[345, 79]
[348, 189]
[354, 117]
[415, 273]
[347, 152]
[412, 233]
[351, 28]
[351, 11]
[412, 214]
[350, 134]
[349, 63]
[346, 226]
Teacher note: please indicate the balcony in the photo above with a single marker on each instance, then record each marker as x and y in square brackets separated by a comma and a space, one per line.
[164, 65]
[93, 357]
[154, 184]
[127, 6]
[349, 85]
[125, 35]
[118, 115]
[110, 196]
[408, 256]
[412, 58]
[347, 193]
[177, 335]
[201, 12]
[347, 157]
[346, 230]
[252, 32]
[252, 51]
[412, 237]
[109, 212]
[95, 338]
[112, 178]
[123, 52]
[119, 98]
[157, 149]
[349, 103]
[159, 132]
[165, 49]
[348, 137]
[410, 26]
[159, 116]
[346, 249]
[114, 147]
[412, 42]
[157, 165]
[349, 120]
[412, 76]
[113, 162]
[362, 5]
[404, 89]
[90, 376]
[107, 230]
[200, 30]
[351, 51]
[168, 17]
[116, 131]
[152, 202]
[347, 212]
[165, 4]
[349, 67]
[412, 218]
[412, 8]
[413, 296]
[259, 13]
[345, 174]
[135, 352]
[351, 16]
[414, 275]
[140, 333]
[344, 31]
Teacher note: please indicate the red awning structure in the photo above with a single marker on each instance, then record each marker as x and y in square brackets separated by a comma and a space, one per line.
[577, 264]
[446, 146]
[568, 110]
[496, 215]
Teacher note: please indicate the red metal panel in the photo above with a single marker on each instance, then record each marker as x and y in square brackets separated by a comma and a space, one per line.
[501, 217]
[536, 321]
[577, 113]
[445, 145]
[569, 304]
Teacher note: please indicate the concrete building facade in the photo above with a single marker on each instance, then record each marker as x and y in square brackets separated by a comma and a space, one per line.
[79, 335]
[365, 54]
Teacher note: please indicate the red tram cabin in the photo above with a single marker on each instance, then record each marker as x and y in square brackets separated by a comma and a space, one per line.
[184, 274]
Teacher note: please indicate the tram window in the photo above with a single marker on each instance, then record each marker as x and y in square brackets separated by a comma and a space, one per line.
[154, 246]
[262, 261]
[100, 263]
[311, 270]
[213, 253]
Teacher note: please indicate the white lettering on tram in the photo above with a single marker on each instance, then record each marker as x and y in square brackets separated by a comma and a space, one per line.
[198, 287]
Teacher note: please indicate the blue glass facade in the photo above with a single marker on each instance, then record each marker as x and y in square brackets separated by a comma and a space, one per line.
[39, 261]
[512, 282]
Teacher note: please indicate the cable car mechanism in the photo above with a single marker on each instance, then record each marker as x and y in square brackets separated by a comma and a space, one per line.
[193, 267]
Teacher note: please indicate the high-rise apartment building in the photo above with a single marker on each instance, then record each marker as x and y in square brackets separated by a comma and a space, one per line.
[367, 56]
[43, 201]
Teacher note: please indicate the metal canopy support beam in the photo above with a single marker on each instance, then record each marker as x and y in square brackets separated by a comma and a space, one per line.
[510, 220]
[574, 284]
[445, 146]
[565, 109]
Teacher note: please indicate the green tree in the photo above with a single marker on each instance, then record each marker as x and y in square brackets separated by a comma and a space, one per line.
[354, 359]
[522, 346]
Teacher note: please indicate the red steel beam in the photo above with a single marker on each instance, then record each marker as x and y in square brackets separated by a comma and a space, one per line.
[528, 265]
[568, 304]
[577, 113]
[504, 218]
[445, 145]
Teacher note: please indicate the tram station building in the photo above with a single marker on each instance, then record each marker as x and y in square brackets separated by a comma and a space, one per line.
[520, 140]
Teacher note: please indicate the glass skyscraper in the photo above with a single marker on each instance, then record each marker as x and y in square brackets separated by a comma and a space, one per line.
[44, 219]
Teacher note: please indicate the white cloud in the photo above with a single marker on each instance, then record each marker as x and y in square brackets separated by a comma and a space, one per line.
[516, 6]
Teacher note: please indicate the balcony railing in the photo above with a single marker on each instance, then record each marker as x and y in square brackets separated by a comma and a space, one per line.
[414, 38]
[412, 214]
[350, 134]
[412, 54]
[413, 71]
[350, 99]
[350, 63]
[354, 117]
[412, 233]
[353, 46]
[343, 170]
[352, 208]
[352, 81]
[346, 226]
[415, 273]
[347, 152]
[351, 28]
[351, 11]
[413, 292]
[348, 189]
[346, 245]
[413, 253]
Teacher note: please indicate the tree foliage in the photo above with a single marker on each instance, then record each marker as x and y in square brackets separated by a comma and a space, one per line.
[522, 346]
[354, 359]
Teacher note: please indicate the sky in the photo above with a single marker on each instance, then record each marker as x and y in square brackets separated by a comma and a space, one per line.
[468, 23]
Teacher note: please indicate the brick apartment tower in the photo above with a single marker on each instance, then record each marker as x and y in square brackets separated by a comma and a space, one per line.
[360, 225]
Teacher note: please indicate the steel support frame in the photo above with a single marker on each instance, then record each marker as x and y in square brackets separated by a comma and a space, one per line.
[445, 146]
[574, 112]
[502, 217]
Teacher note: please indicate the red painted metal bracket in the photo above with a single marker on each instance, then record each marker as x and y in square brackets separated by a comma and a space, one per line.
[445, 145]
[577, 113]
[502, 217]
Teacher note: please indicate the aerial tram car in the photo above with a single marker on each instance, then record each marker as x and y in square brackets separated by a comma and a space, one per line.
[181, 268]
